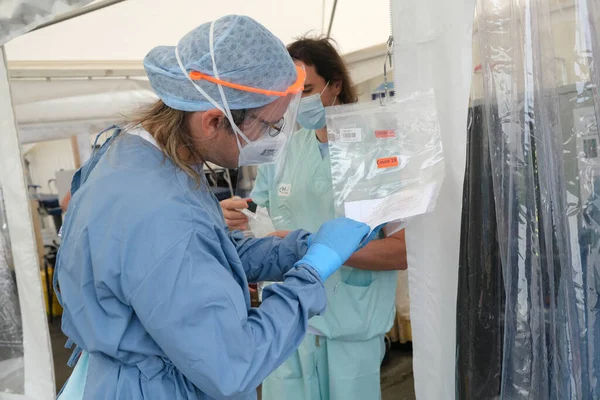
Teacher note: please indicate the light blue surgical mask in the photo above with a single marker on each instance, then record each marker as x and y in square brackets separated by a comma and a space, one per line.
[311, 113]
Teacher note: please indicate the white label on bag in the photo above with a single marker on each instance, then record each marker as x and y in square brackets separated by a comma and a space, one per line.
[350, 135]
[284, 190]
[398, 206]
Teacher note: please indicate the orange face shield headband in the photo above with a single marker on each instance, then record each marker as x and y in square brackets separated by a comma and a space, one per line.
[296, 87]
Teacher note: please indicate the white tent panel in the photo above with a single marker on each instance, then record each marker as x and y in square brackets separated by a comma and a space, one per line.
[38, 371]
[366, 64]
[432, 50]
[56, 109]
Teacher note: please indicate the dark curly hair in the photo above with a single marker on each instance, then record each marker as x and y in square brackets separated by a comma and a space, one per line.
[320, 52]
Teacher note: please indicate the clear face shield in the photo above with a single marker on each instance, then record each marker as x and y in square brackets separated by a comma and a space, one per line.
[265, 130]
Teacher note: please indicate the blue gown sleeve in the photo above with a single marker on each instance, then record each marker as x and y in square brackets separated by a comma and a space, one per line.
[196, 312]
[269, 258]
[264, 180]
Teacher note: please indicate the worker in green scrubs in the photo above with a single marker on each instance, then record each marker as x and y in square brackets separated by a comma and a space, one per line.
[340, 357]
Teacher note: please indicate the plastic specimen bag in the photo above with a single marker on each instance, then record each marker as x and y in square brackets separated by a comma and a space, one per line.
[260, 224]
[386, 160]
[540, 64]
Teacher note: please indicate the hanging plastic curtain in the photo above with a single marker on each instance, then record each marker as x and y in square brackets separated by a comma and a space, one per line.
[540, 63]
[480, 301]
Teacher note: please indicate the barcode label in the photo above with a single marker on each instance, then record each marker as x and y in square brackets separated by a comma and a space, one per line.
[350, 135]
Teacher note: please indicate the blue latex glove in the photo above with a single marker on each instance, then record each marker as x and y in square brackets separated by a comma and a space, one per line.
[362, 244]
[333, 244]
[371, 236]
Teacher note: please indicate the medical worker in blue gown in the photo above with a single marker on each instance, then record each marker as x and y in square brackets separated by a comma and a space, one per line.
[153, 284]
[340, 358]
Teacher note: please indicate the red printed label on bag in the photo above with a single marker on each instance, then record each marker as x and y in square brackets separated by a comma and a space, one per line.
[385, 134]
[387, 162]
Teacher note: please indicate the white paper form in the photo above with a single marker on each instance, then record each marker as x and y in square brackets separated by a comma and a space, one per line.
[398, 206]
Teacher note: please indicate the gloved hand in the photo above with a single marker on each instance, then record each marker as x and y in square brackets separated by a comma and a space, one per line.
[371, 236]
[333, 244]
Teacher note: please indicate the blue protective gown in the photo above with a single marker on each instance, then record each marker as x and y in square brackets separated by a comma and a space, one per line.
[155, 288]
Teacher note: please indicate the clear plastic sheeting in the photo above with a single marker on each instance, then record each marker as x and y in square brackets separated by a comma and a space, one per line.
[540, 63]
[480, 300]
[18, 17]
[387, 161]
[12, 374]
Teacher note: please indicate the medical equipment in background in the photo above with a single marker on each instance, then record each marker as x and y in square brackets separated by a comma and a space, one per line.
[387, 161]
[246, 176]
[49, 205]
[381, 92]
[53, 307]
[219, 179]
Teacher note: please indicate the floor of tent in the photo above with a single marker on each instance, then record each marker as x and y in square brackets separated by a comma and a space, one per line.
[396, 373]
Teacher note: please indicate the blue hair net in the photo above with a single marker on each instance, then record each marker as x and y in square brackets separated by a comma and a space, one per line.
[246, 53]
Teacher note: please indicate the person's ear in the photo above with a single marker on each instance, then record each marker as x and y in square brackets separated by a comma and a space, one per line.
[211, 122]
[337, 87]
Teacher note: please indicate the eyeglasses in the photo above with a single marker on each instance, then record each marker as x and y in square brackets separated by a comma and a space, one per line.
[272, 128]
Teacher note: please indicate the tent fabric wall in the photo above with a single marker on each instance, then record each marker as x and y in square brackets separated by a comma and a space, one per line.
[432, 49]
[61, 108]
[39, 375]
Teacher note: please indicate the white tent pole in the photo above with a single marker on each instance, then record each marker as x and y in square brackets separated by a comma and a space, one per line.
[332, 18]
[39, 374]
[323, 17]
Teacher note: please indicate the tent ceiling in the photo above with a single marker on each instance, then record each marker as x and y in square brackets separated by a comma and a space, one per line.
[128, 30]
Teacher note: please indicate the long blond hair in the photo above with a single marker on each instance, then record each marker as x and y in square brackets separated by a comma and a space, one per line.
[171, 130]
